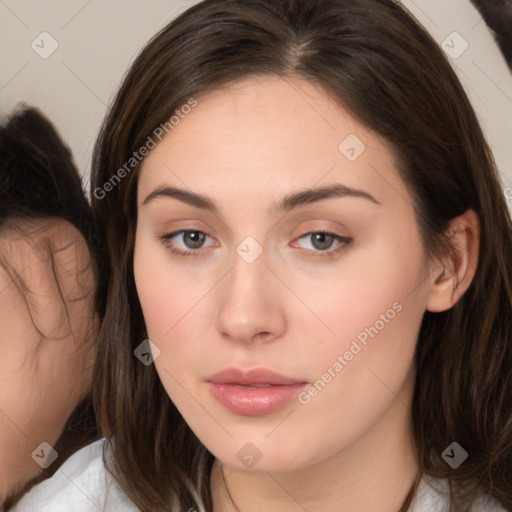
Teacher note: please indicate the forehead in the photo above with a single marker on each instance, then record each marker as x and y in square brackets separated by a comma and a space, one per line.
[269, 135]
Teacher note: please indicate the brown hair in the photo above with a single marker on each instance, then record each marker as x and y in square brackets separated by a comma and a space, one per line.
[386, 70]
[38, 179]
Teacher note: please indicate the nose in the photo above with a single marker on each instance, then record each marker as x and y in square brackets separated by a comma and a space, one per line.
[251, 306]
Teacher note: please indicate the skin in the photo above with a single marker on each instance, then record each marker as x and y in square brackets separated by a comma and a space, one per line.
[46, 339]
[245, 147]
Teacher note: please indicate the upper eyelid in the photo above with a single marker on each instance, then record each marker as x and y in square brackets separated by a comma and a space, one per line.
[180, 231]
[339, 238]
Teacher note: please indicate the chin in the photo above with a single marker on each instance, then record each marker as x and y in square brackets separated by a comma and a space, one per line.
[250, 451]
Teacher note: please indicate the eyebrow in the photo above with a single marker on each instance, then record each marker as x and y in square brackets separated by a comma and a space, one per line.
[287, 203]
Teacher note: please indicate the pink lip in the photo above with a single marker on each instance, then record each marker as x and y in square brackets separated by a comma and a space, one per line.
[253, 392]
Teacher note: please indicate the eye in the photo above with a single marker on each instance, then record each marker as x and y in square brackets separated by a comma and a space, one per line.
[323, 241]
[191, 239]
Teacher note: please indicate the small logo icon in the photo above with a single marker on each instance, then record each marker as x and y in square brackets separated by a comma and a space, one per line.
[44, 455]
[44, 45]
[249, 454]
[351, 147]
[454, 455]
[249, 249]
[147, 352]
[455, 45]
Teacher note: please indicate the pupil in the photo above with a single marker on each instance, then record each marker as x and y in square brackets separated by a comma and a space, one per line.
[321, 237]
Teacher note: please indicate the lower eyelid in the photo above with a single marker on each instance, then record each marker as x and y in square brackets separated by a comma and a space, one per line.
[344, 243]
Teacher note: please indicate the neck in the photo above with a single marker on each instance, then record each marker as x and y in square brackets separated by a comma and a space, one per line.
[376, 472]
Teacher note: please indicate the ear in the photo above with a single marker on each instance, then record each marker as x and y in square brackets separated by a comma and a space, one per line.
[453, 275]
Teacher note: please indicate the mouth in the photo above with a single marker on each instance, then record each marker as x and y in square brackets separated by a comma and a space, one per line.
[253, 392]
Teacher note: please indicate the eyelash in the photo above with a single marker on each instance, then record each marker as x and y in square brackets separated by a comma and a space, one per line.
[329, 253]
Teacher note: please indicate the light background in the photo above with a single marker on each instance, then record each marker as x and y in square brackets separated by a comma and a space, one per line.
[98, 39]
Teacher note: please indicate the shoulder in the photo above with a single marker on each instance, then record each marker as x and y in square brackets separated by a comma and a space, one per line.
[433, 494]
[81, 484]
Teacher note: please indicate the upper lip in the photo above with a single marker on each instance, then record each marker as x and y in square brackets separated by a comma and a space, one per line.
[253, 376]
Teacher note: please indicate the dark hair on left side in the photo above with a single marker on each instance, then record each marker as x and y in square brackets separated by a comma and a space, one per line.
[38, 179]
[37, 175]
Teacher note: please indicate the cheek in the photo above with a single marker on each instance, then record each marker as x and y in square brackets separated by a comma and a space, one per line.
[171, 290]
[370, 312]
[170, 298]
[375, 310]
[163, 294]
[351, 295]
[172, 315]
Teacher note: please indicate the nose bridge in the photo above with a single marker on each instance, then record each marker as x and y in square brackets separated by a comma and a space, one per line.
[250, 305]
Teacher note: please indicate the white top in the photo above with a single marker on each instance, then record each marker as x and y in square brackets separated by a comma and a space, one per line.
[82, 484]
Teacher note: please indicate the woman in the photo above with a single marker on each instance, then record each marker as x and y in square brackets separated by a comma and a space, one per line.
[47, 276]
[301, 309]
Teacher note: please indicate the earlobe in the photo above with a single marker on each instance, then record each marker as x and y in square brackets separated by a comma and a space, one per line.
[453, 275]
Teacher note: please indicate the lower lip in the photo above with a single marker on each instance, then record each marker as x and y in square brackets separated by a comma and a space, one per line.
[254, 401]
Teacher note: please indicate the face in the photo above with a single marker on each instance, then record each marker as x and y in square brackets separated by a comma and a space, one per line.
[45, 319]
[283, 321]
